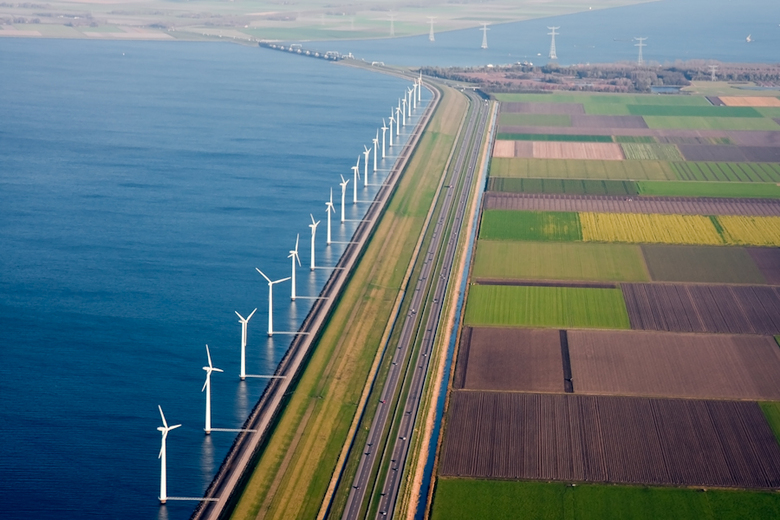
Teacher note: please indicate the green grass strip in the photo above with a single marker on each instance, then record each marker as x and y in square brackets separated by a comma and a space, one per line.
[559, 261]
[457, 499]
[692, 111]
[771, 411]
[555, 137]
[530, 225]
[711, 123]
[546, 307]
[634, 139]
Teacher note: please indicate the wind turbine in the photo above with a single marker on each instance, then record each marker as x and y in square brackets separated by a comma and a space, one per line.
[366, 152]
[409, 103]
[375, 140]
[419, 89]
[356, 176]
[414, 94]
[328, 209]
[384, 129]
[207, 387]
[343, 184]
[403, 111]
[294, 255]
[398, 121]
[313, 227]
[163, 463]
[243, 321]
[271, 300]
[392, 119]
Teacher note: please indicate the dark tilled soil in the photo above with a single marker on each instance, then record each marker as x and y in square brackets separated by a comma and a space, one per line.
[761, 153]
[768, 262]
[543, 108]
[754, 138]
[694, 152]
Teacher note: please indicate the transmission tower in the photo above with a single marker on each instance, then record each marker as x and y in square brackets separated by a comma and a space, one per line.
[713, 69]
[639, 59]
[430, 34]
[392, 25]
[553, 55]
[484, 35]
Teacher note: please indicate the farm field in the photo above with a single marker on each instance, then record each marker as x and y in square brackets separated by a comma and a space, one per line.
[708, 189]
[651, 152]
[660, 364]
[630, 440]
[704, 264]
[558, 261]
[574, 169]
[559, 307]
[561, 186]
[768, 262]
[711, 123]
[622, 204]
[648, 228]
[529, 225]
[534, 119]
[510, 359]
[757, 231]
[466, 499]
[728, 309]
[727, 172]
[554, 137]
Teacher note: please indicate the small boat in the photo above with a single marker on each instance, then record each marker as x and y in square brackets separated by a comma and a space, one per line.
[749, 38]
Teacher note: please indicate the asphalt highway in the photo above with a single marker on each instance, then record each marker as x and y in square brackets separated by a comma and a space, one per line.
[402, 390]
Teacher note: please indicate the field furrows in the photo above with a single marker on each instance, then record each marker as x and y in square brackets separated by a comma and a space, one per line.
[633, 204]
[610, 439]
[703, 308]
[613, 122]
[768, 262]
[543, 108]
[569, 150]
[660, 364]
[526, 360]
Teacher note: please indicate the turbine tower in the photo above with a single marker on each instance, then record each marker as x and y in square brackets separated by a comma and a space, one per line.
[392, 120]
[409, 92]
[271, 300]
[392, 25]
[414, 94]
[328, 209]
[366, 152]
[375, 140]
[484, 35]
[343, 185]
[294, 256]
[207, 387]
[713, 70]
[419, 89]
[398, 119]
[355, 176]
[313, 227]
[639, 60]
[430, 34]
[384, 129]
[403, 110]
[243, 321]
[553, 55]
[163, 463]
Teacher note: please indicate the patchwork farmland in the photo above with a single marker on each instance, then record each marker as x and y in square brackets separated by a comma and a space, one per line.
[621, 318]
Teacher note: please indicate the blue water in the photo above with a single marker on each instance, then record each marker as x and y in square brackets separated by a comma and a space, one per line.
[140, 185]
[676, 30]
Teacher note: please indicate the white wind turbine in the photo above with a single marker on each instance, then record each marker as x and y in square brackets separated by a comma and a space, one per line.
[271, 300]
[398, 121]
[313, 227]
[207, 387]
[294, 255]
[243, 321]
[414, 94]
[343, 184]
[384, 129]
[409, 93]
[163, 462]
[356, 176]
[328, 209]
[419, 87]
[366, 153]
[392, 120]
[404, 109]
[375, 140]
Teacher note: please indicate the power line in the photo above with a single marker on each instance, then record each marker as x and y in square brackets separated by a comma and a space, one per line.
[553, 54]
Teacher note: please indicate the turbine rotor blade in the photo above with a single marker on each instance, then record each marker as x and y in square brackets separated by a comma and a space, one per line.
[250, 316]
[165, 424]
[209, 355]
[239, 316]
[297, 238]
[205, 384]
[262, 273]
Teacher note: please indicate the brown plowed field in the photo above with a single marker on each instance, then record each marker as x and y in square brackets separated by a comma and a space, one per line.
[567, 150]
[660, 364]
[504, 148]
[607, 121]
[627, 204]
[634, 440]
[755, 138]
[730, 309]
[768, 262]
[761, 153]
[525, 360]
[750, 101]
[543, 108]
[724, 153]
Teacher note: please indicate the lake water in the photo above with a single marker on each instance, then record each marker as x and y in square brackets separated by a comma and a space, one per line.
[675, 30]
[140, 185]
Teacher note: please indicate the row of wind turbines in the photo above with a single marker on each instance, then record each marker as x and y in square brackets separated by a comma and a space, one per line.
[398, 117]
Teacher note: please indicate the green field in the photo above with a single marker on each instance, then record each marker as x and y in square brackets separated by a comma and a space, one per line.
[457, 499]
[555, 137]
[708, 189]
[674, 263]
[576, 169]
[634, 139]
[651, 152]
[711, 123]
[772, 412]
[529, 225]
[575, 186]
[507, 119]
[692, 111]
[727, 171]
[558, 261]
[558, 307]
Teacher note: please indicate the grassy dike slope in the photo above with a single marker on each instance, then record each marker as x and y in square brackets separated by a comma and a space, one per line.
[294, 470]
